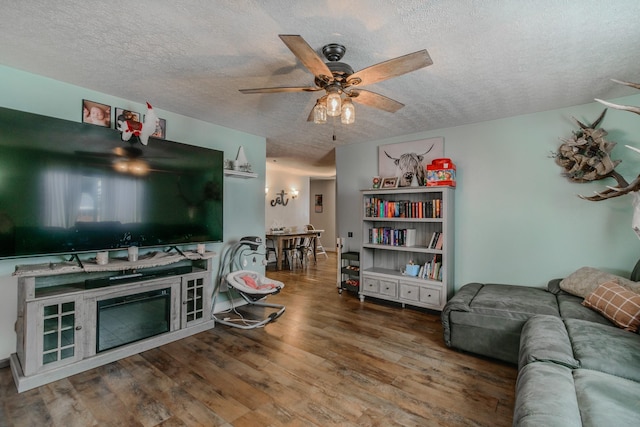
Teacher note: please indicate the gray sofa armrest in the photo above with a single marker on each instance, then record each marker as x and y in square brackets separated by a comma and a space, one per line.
[461, 301]
[546, 396]
[635, 274]
[545, 339]
[554, 286]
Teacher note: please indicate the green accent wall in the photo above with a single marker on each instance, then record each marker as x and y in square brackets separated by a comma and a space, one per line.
[517, 219]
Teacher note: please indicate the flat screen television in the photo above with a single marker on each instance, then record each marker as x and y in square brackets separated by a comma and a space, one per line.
[69, 187]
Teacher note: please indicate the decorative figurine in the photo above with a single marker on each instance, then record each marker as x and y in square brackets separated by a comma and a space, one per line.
[142, 130]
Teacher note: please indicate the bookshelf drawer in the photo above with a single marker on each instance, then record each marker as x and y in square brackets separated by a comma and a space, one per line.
[389, 288]
[430, 296]
[371, 285]
[409, 291]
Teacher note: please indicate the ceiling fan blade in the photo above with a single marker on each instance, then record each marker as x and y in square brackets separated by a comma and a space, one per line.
[391, 68]
[281, 89]
[307, 56]
[375, 100]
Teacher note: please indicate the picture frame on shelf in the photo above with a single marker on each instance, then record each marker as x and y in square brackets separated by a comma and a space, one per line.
[96, 113]
[390, 182]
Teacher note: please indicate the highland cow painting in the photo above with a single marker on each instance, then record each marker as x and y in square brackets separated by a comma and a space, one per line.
[408, 160]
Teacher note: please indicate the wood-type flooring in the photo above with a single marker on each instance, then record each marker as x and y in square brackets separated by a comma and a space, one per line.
[330, 360]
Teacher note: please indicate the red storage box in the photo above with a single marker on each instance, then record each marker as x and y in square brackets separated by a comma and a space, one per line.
[441, 172]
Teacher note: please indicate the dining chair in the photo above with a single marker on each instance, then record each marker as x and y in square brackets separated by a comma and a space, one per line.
[271, 250]
[289, 253]
[319, 248]
[304, 249]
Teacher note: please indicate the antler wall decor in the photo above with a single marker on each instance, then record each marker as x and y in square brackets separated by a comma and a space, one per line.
[585, 156]
[623, 186]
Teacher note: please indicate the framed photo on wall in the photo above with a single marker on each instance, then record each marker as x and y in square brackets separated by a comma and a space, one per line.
[123, 115]
[318, 204]
[407, 160]
[96, 114]
[161, 129]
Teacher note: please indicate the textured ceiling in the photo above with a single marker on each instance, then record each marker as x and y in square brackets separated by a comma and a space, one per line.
[492, 59]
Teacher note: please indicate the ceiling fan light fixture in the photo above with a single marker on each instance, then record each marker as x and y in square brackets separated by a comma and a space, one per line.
[348, 115]
[334, 103]
[134, 167]
[320, 113]
[138, 167]
[121, 166]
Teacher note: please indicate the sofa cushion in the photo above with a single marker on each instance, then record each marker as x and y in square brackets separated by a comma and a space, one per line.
[586, 279]
[492, 336]
[514, 302]
[606, 400]
[545, 339]
[487, 318]
[605, 349]
[571, 307]
[617, 304]
[545, 396]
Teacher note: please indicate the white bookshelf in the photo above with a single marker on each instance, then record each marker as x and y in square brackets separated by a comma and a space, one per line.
[386, 214]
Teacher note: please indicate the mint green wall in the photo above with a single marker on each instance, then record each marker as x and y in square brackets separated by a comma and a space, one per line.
[517, 219]
[243, 198]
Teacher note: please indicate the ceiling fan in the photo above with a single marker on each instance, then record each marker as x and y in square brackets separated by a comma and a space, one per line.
[337, 78]
[128, 159]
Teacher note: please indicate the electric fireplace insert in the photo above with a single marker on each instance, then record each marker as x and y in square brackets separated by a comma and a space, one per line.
[126, 319]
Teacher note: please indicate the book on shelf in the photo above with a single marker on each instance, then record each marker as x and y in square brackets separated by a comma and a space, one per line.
[432, 269]
[392, 236]
[375, 207]
[439, 242]
[434, 239]
[410, 237]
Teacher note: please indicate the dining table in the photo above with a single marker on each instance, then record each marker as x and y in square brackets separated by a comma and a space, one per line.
[280, 237]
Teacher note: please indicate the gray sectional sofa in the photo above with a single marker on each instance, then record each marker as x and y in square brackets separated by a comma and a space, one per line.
[575, 367]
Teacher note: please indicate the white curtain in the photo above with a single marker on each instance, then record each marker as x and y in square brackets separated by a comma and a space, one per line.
[62, 192]
[119, 198]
